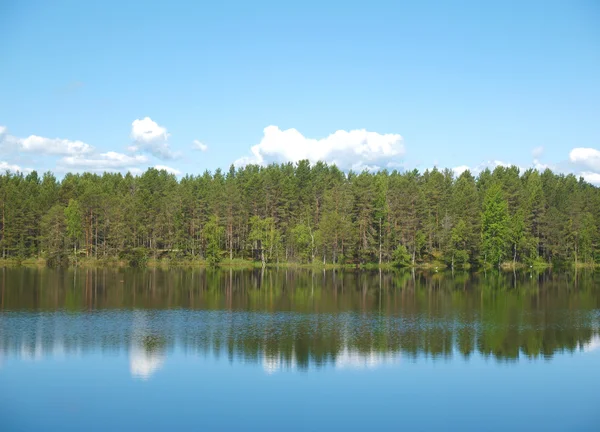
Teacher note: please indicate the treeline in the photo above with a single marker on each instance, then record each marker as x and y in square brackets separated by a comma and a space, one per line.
[303, 213]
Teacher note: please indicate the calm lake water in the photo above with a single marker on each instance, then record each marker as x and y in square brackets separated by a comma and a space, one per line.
[298, 350]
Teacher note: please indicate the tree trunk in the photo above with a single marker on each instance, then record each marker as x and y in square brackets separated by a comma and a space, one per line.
[380, 242]
[231, 241]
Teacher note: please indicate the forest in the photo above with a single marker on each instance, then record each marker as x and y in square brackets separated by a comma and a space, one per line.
[302, 213]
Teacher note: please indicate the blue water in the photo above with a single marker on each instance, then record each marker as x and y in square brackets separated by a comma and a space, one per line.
[86, 371]
[105, 350]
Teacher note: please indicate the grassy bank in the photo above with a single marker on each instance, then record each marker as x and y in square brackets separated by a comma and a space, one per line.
[28, 262]
[239, 263]
[537, 265]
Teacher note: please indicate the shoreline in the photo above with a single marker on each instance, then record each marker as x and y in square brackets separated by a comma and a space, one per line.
[242, 264]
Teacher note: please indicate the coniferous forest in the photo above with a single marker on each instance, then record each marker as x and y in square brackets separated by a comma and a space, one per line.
[303, 213]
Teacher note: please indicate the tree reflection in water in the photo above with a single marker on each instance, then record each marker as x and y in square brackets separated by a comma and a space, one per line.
[287, 319]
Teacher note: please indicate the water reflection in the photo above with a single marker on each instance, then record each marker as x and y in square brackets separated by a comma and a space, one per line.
[283, 342]
[130, 349]
[300, 320]
[349, 359]
[146, 353]
[592, 345]
[346, 359]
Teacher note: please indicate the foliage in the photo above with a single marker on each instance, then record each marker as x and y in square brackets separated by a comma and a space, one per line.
[303, 213]
[73, 219]
[401, 257]
[265, 238]
[136, 257]
[212, 234]
[494, 226]
[53, 235]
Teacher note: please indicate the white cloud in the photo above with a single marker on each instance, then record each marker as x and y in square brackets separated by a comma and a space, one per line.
[43, 145]
[476, 170]
[460, 169]
[360, 167]
[587, 161]
[167, 169]
[537, 152]
[347, 149]
[54, 146]
[103, 162]
[540, 166]
[586, 157]
[197, 145]
[147, 130]
[79, 156]
[149, 137]
[591, 177]
[5, 166]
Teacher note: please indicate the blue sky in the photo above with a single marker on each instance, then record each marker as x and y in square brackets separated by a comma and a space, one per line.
[363, 84]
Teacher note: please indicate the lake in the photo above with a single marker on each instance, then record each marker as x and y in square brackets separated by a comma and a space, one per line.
[115, 349]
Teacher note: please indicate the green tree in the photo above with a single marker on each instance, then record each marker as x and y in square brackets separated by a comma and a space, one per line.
[401, 257]
[53, 234]
[265, 238]
[304, 242]
[213, 233]
[458, 250]
[74, 227]
[494, 225]
[305, 211]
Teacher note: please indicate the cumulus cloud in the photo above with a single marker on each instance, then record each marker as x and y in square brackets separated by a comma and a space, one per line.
[147, 130]
[476, 170]
[167, 169]
[149, 137]
[586, 161]
[103, 161]
[5, 166]
[540, 166]
[54, 146]
[197, 145]
[460, 169]
[591, 177]
[355, 149]
[586, 157]
[43, 145]
[79, 156]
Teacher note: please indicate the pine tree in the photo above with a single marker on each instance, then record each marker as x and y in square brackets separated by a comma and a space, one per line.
[53, 235]
[73, 219]
[494, 226]
[304, 212]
